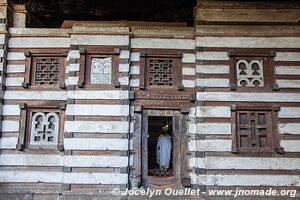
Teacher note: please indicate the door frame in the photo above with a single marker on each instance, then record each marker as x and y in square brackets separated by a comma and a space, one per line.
[179, 147]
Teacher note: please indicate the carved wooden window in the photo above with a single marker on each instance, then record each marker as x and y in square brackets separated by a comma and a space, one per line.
[44, 128]
[41, 127]
[47, 71]
[255, 129]
[161, 72]
[251, 71]
[101, 70]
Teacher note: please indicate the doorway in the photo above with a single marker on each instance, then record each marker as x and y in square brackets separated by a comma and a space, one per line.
[160, 146]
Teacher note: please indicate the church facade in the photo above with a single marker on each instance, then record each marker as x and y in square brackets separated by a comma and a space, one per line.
[82, 107]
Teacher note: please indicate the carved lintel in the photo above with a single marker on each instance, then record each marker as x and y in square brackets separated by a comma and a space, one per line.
[162, 96]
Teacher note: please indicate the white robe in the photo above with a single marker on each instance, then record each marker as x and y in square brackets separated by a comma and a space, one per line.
[163, 151]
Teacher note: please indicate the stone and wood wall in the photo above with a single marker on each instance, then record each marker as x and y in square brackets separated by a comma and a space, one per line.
[234, 96]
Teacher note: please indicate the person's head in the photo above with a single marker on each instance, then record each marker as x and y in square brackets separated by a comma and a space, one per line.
[165, 129]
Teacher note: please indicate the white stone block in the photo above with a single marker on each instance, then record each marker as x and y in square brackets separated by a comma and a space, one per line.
[256, 97]
[14, 81]
[16, 56]
[10, 126]
[157, 43]
[249, 42]
[212, 82]
[289, 128]
[73, 54]
[101, 110]
[135, 70]
[135, 56]
[98, 94]
[213, 111]
[212, 69]
[287, 70]
[95, 178]
[36, 95]
[134, 82]
[124, 54]
[290, 145]
[73, 80]
[188, 58]
[288, 83]
[249, 180]
[15, 68]
[212, 56]
[105, 40]
[214, 128]
[97, 126]
[8, 143]
[287, 56]
[289, 112]
[124, 80]
[123, 67]
[35, 42]
[13, 110]
[209, 145]
[96, 144]
[188, 71]
[73, 68]
[188, 83]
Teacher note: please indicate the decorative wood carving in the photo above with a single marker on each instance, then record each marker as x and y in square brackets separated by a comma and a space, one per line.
[101, 71]
[47, 71]
[162, 96]
[250, 73]
[44, 128]
[160, 72]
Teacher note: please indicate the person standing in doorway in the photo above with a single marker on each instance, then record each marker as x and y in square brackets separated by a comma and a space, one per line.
[163, 149]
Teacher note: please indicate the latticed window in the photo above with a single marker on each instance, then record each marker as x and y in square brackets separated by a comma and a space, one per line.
[249, 73]
[161, 72]
[44, 128]
[254, 130]
[47, 71]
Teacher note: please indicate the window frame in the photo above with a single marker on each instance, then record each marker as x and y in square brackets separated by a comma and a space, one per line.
[26, 122]
[86, 54]
[30, 69]
[114, 71]
[177, 71]
[274, 144]
[268, 69]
